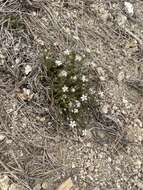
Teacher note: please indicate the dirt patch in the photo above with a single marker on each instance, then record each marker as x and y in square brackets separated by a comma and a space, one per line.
[35, 153]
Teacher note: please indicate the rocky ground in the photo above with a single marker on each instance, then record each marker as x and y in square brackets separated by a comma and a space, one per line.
[37, 154]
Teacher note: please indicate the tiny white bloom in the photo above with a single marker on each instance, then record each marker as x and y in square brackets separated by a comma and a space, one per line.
[75, 110]
[66, 52]
[65, 88]
[84, 79]
[58, 63]
[2, 56]
[72, 124]
[74, 78]
[78, 58]
[73, 89]
[17, 61]
[83, 98]
[78, 104]
[28, 69]
[63, 73]
[47, 57]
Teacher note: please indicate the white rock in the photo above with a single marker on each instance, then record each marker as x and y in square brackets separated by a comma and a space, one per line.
[28, 69]
[129, 8]
[138, 163]
[26, 91]
[121, 76]
[2, 137]
[4, 182]
[45, 185]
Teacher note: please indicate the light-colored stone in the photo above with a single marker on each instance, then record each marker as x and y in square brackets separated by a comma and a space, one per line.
[129, 8]
[4, 182]
[66, 185]
[28, 69]
[2, 137]
[45, 185]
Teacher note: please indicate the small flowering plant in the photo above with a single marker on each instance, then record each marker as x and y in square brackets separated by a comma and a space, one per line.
[70, 85]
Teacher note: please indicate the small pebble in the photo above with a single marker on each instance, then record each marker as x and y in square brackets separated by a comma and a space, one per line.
[2, 137]
[45, 185]
[28, 69]
[129, 8]
[4, 182]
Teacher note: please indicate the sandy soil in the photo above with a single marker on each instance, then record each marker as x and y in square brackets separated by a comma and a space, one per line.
[33, 149]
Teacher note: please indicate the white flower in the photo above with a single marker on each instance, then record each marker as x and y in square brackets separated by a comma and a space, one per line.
[17, 61]
[84, 132]
[63, 73]
[72, 124]
[73, 89]
[78, 104]
[74, 78]
[78, 58]
[28, 69]
[65, 88]
[83, 98]
[84, 79]
[58, 63]
[75, 110]
[66, 52]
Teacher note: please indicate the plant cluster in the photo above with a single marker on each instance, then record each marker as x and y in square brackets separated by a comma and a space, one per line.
[70, 87]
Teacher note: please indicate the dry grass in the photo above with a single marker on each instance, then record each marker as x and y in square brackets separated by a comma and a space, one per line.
[31, 128]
